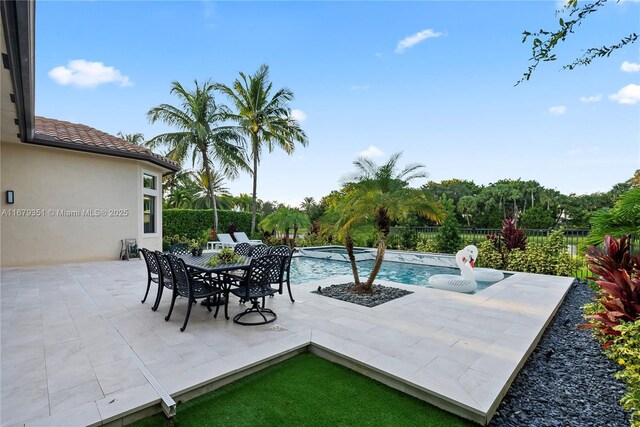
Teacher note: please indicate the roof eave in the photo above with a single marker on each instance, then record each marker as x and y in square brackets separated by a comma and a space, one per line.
[52, 142]
[18, 20]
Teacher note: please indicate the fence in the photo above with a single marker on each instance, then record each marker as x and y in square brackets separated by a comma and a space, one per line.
[573, 238]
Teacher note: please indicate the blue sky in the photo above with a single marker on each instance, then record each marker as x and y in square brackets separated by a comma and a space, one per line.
[432, 79]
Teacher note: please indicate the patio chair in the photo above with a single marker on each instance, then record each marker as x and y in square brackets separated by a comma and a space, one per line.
[153, 270]
[167, 278]
[243, 249]
[259, 250]
[129, 249]
[287, 253]
[180, 249]
[262, 272]
[226, 240]
[241, 237]
[191, 287]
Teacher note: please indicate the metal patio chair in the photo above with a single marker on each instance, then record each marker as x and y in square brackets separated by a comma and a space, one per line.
[287, 253]
[153, 270]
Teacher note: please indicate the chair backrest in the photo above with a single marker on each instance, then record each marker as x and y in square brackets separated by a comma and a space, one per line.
[241, 237]
[264, 270]
[179, 249]
[151, 260]
[243, 249]
[286, 252]
[165, 268]
[225, 238]
[179, 273]
[259, 251]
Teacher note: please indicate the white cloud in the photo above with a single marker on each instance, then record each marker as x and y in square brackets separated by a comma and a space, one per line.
[630, 95]
[372, 151]
[630, 67]
[298, 115]
[360, 87]
[590, 99]
[558, 110]
[82, 73]
[416, 38]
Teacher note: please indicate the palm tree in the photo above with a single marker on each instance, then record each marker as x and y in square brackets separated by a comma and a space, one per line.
[264, 117]
[622, 219]
[243, 202]
[381, 194]
[135, 138]
[283, 220]
[203, 198]
[199, 134]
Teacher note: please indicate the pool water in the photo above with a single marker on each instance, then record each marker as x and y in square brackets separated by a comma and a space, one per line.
[305, 269]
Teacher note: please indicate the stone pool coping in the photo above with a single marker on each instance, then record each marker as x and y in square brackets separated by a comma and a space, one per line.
[71, 343]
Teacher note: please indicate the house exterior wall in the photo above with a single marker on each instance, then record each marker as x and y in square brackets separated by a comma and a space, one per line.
[71, 206]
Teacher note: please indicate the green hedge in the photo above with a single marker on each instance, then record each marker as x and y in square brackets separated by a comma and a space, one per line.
[191, 222]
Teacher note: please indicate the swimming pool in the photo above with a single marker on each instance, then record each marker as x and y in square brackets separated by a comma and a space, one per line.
[305, 269]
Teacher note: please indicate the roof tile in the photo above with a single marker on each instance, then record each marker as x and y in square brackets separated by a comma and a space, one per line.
[89, 137]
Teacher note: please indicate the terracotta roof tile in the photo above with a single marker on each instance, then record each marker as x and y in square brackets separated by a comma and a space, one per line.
[87, 138]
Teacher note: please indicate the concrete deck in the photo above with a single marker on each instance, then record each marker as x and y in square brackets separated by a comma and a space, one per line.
[78, 348]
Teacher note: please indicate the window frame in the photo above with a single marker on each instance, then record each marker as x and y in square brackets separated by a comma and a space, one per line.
[155, 192]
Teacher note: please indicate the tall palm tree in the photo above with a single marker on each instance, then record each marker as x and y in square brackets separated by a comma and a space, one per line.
[264, 117]
[381, 194]
[243, 202]
[205, 186]
[136, 138]
[200, 134]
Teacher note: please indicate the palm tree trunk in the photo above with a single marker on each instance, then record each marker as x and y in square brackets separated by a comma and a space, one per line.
[254, 207]
[207, 171]
[382, 247]
[348, 244]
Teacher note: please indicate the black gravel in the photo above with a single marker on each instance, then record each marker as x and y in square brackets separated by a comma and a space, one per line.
[345, 292]
[566, 381]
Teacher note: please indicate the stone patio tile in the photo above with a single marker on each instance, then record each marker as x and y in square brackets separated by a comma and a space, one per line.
[392, 366]
[69, 372]
[152, 349]
[481, 386]
[25, 371]
[82, 415]
[56, 332]
[440, 384]
[119, 375]
[64, 400]
[24, 401]
[448, 367]
[195, 352]
[126, 401]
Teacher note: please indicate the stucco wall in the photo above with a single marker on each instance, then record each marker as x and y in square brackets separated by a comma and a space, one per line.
[76, 202]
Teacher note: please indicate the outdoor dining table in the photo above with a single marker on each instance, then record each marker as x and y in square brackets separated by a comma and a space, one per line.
[200, 264]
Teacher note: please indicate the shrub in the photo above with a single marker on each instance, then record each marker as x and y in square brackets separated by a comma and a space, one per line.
[625, 350]
[311, 240]
[513, 236]
[537, 217]
[426, 245]
[191, 222]
[619, 281]
[488, 255]
[448, 239]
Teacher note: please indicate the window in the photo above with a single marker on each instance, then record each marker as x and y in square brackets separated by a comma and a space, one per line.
[150, 198]
[148, 181]
[149, 209]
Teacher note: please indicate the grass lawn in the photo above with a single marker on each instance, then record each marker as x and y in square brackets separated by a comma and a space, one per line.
[306, 390]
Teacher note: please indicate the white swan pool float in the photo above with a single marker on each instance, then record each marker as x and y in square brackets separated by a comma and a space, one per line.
[483, 274]
[451, 282]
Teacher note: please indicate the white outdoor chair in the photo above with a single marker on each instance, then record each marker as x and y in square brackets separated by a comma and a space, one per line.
[241, 237]
[226, 240]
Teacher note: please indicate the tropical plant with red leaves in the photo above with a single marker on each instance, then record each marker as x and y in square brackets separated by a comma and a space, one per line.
[617, 274]
[513, 237]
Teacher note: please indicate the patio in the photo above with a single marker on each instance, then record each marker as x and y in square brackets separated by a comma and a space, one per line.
[78, 347]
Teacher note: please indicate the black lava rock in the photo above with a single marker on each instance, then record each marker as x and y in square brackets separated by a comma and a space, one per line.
[346, 292]
[567, 381]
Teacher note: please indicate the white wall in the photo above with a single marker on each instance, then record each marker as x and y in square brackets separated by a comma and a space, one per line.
[58, 188]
